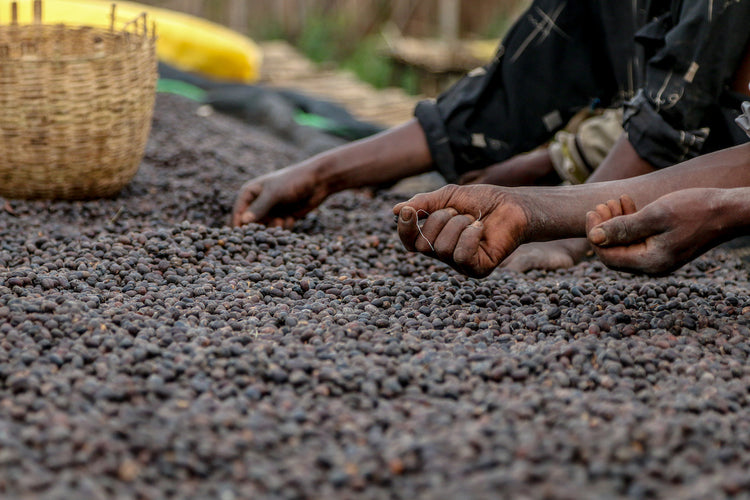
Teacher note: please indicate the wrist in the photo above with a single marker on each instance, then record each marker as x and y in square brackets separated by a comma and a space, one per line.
[553, 213]
[321, 168]
[331, 174]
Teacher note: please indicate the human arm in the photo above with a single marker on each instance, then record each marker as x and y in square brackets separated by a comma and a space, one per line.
[509, 217]
[529, 169]
[280, 197]
[621, 162]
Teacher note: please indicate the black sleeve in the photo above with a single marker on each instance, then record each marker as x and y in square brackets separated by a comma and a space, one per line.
[551, 64]
[693, 53]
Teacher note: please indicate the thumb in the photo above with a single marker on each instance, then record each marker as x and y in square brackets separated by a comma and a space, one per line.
[624, 230]
[428, 202]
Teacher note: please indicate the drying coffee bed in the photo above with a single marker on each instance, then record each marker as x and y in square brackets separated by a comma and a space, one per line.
[149, 351]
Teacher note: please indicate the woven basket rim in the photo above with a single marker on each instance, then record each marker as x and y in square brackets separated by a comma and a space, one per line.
[31, 59]
[127, 42]
[119, 24]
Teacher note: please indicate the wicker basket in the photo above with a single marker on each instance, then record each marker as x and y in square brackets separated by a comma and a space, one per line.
[76, 105]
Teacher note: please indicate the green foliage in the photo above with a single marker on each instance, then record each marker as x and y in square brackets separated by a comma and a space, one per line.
[328, 38]
[325, 38]
[332, 37]
[369, 62]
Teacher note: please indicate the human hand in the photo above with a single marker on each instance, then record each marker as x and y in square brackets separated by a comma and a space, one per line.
[278, 198]
[660, 237]
[470, 228]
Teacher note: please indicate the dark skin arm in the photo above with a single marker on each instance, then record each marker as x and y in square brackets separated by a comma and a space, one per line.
[529, 169]
[622, 162]
[513, 216]
[281, 197]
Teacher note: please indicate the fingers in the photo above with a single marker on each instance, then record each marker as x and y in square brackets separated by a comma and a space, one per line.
[596, 236]
[255, 203]
[466, 254]
[593, 219]
[626, 230]
[418, 238]
[259, 208]
[247, 194]
[628, 205]
[282, 222]
[451, 237]
[448, 242]
[434, 226]
[614, 207]
[605, 212]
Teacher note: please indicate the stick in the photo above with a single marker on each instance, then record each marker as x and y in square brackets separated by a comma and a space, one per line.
[37, 11]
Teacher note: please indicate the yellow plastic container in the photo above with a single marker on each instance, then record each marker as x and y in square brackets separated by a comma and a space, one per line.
[186, 42]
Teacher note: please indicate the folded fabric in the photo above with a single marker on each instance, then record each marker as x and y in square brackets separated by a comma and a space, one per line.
[744, 119]
[576, 153]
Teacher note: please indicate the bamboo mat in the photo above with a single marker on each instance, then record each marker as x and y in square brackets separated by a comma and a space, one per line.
[284, 67]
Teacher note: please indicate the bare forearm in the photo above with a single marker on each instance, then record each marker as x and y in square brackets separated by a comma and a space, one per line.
[386, 157]
[559, 212]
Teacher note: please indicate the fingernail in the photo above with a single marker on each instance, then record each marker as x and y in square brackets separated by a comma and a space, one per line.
[406, 215]
[597, 236]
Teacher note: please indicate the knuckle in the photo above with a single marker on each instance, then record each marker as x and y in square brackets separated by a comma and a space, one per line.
[621, 230]
[661, 212]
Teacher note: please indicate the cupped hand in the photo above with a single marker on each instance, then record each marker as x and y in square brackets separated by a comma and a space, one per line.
[470, 228]
[278, 198]
[657, 239]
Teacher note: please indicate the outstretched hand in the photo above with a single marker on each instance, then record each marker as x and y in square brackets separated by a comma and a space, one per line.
[470, 228]
[657, 239]
[278, 198]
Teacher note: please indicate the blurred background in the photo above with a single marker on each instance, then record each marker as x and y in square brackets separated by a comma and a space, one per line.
[420, 46]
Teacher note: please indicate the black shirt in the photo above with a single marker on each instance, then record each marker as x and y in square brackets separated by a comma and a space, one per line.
[668, 63]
